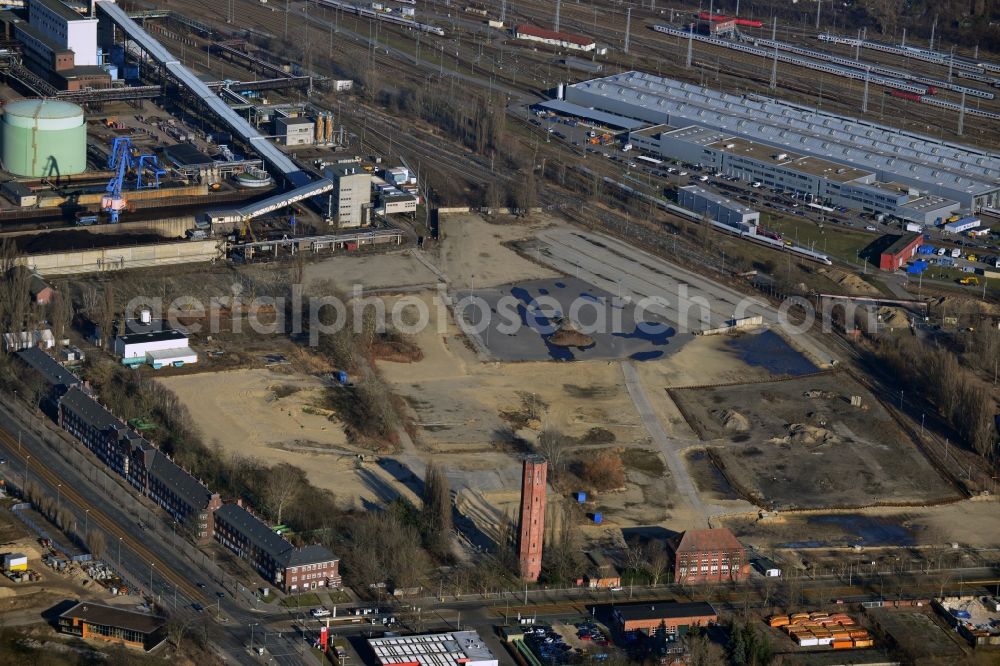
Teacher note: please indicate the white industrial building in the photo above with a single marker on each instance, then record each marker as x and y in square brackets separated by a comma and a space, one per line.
[41, 338]
[352, 193]
[156, 348]
[719, 208]
[563, 40]
[958, 226]
[295, 131]
[910, 175]
[66, 28]
[448, 649]
[819, 178]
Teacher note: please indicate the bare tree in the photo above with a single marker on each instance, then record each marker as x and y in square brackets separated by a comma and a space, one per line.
[554, 446]
[283, 484]
[436, 514]
[298, 270]
[657, 561]
[60, 314]
[106, 313]
[177, 630]
[96, 543]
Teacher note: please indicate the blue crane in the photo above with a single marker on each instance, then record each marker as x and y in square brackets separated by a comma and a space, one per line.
[119, 161]
[153, 164]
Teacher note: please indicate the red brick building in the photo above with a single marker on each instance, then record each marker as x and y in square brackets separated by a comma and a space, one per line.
[708, 556]
[676, 618]
[531, 530]
[288, 568]
[899, 252]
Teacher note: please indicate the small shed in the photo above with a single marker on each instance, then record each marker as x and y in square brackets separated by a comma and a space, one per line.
[15, 562]
[41, 292]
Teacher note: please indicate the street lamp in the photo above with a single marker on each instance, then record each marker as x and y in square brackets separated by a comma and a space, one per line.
[119, 555]
[252, 625]
[151, 565]
[58, 499]
[86, 529]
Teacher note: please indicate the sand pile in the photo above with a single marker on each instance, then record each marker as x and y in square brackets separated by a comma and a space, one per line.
[851, 283]
[733, 420]
[800, 434]
[567, 336]
[893, 317]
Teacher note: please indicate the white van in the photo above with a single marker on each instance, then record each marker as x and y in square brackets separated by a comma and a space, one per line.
[319, 612]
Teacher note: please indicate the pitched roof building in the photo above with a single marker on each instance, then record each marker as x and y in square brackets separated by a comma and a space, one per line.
[289, 568]
[553, 38]
[56, 377]
[94, 621]
[144, 466]
[708, 555]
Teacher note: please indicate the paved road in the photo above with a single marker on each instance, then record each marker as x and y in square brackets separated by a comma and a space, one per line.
[178, 570]
[669, 448]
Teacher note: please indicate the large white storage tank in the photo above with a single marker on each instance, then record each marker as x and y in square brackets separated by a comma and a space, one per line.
[43, 137]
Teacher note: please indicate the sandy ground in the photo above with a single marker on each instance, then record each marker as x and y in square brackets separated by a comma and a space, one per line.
[969, 523]
[471, 250]
[239, 411]
[457, 400]
[704, 360]
[397, 270]
[789, 451]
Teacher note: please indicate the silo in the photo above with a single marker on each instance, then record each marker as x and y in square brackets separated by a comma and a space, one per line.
[319, 128]
[43, 137]
[329, 128]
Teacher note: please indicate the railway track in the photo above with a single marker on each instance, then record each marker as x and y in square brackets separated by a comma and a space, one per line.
[70, 495]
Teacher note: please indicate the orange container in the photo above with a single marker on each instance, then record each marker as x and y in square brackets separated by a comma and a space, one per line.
[841, 636]
[843, 645]
[859, 633]
[864, 643]
[779, 621]
[799, 616]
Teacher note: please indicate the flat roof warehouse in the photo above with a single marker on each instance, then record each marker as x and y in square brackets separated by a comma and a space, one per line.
[964, 173]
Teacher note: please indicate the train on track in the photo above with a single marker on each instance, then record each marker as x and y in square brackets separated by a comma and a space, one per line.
[943, 103]
[933, 85]
[382, 16]
[829, 68]
[914, 53]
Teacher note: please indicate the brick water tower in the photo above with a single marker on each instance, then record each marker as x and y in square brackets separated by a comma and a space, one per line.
[531, 531]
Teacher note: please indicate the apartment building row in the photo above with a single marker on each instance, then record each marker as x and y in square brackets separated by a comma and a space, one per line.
[188, 501]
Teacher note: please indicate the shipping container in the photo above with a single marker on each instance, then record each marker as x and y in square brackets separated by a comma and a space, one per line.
[808, 642]
[842, 645]
[864, 643]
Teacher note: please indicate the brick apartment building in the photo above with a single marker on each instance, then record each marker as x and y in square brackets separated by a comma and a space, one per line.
[56, 378]
[145, 467]
[531, 530]
[286, 567]
[713, 555]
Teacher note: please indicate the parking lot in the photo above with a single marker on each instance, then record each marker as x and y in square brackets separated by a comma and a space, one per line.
[567, 644]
